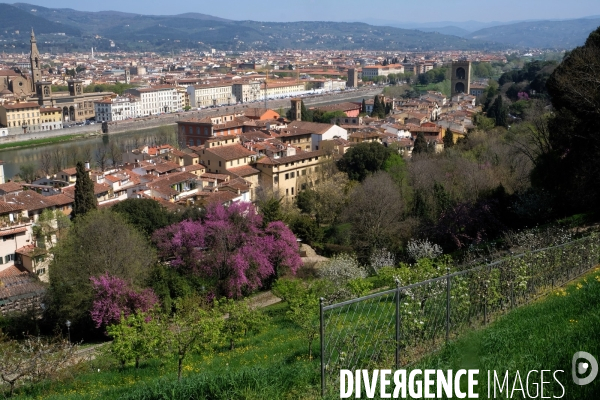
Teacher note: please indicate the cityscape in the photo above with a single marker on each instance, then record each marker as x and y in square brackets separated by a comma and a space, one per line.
[197, 207]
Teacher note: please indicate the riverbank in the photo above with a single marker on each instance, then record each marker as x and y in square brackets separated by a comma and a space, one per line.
[86, 131]
[43, 141]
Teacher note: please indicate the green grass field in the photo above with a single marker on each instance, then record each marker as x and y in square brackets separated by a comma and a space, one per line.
[37, 142]
[275, 365]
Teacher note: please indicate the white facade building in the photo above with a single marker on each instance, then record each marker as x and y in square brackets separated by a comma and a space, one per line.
[214, 94]
[247, 92]
[116, 109]
[157, 100]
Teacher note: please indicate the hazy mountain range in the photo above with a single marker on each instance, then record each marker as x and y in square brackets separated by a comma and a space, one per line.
[110, 30]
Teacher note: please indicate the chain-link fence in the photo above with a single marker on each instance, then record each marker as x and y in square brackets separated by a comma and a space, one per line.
[396, 327]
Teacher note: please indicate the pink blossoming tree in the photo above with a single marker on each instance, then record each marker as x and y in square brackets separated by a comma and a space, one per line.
[113, 296]
[230, 248]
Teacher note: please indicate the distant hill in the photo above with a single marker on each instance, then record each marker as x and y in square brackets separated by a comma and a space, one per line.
[447, 30]
[203, 17]
[470, 26]
[131, 31]
[13, 19]
[540, 34]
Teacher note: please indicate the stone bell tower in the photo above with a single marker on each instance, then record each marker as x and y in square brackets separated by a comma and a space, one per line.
[34, 59]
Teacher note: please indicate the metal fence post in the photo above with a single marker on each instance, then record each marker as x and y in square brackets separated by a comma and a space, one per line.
[397, 323]
[448, 282]
[322, 329]
[485, 305]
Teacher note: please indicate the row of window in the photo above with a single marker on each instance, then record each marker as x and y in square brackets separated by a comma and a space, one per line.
[7, 258]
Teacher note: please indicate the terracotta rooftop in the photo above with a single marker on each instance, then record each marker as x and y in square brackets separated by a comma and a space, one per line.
[9, 187]
[231, 152]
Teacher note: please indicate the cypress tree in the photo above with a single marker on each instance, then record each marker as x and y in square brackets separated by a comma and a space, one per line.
[363, 107]
[448, 139]
[388, 109]
[85, 199]
[377, 106]
[501, 112]
[420, 144]
[306, 115]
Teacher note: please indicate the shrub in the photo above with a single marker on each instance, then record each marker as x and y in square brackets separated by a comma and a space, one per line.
[418, 249]
[341, 269]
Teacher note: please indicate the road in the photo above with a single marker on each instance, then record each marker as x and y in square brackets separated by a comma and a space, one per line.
[172, 118]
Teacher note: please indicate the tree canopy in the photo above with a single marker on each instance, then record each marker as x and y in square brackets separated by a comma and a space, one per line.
[230, 249]
[570, 169]
[99, 242]
[145, 214]
[363, 159]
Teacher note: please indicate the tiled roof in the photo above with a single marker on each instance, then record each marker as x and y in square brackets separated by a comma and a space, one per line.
[294, 158]
[98, 189]
[13, 231]
[6, 208]
[29, 200]
[245, 170]
[312, 127]
[10, 187]
[61, 199]
[20, 105]
[231, 152]
[19, 284]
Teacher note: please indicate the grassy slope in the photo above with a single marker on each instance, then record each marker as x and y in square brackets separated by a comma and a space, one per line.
[544, 335]
[262, 367]
[274, 364]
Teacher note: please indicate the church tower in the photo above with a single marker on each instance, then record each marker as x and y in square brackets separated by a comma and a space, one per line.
[36, 74]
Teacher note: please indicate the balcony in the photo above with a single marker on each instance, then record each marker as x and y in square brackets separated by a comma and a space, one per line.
[17, 221]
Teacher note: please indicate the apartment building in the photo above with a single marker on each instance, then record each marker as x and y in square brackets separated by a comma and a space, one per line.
[117, 109]
[288, 175]
[219, 159]
[214, 94]
[51, 118]
[195, 132]
[21, 115]
[247, 92]
[281, 89]
[156, 100]
[372, 71]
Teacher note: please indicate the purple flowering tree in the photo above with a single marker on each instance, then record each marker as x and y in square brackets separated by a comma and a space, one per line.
[113, 296]
[230, 248]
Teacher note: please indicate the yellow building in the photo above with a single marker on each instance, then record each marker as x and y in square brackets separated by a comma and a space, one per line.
[21, 115]
[51, 118]
[288, 175]
[219, 159]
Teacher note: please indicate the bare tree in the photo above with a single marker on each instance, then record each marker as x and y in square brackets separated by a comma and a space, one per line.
[58, 157]
[73, 155]
[86, 153]
[532, 138]
[46, 162]
[116, 154]
[102, 157]
[34, 358]
[375, 211]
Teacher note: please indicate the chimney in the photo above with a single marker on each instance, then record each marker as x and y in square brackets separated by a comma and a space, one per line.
[87, 165]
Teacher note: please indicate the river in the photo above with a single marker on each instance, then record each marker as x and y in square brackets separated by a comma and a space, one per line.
[69, 152]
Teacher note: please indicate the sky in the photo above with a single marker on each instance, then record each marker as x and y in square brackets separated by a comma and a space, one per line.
[398, 11]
